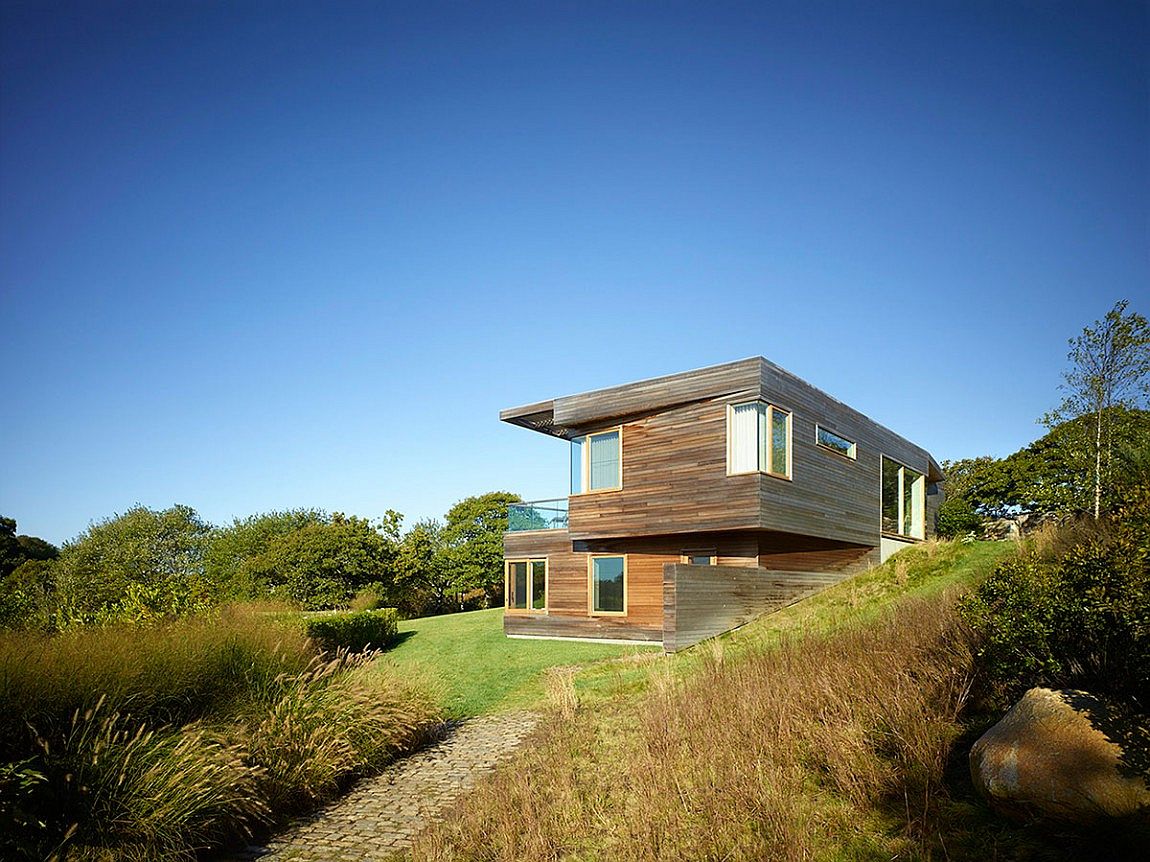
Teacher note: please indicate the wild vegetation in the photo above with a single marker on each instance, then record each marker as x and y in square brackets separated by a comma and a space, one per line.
[147, 565]
[128, 742]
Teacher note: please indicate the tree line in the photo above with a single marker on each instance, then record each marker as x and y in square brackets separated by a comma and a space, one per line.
[148, 563]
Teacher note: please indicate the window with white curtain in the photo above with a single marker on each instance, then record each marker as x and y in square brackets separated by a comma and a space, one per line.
[597, 462]
[758, 439]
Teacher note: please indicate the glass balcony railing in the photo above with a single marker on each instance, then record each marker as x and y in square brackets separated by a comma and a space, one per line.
[538, 515]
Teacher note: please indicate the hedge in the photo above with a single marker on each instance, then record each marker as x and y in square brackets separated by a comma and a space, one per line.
[354, 631]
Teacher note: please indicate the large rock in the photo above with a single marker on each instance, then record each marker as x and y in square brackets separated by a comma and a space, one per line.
[1057, 754]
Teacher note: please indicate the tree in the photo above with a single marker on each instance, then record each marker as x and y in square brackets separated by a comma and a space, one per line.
[474, 534]
[1110, 367]
[161, 551]
[424, 574]
[321, 565]
[15, 549]
[231, 550]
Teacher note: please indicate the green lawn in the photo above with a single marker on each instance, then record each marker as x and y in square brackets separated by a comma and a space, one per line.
[476, 669]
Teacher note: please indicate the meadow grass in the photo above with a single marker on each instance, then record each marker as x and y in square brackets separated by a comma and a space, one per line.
[475, 669]
[131, 742]
[822, 731]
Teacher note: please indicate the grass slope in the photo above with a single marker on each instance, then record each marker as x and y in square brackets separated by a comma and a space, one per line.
[820, 731]
[476, 669]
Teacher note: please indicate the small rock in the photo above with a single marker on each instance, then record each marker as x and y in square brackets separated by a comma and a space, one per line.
[1049, 757]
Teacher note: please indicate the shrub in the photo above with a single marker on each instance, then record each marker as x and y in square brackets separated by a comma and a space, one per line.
[956, 517]
[354, 631]
[1072, 609]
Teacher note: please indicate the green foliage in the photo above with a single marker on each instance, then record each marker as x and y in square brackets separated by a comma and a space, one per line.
[354, 631]
[230, 550]
[15, 549]
[157, 553]
[1109, 368]
[425, 575]
[323, 565]
[956, 517]
[1071, 610]
[473, 532]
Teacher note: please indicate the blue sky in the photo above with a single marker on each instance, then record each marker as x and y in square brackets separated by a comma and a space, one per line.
[266, 255]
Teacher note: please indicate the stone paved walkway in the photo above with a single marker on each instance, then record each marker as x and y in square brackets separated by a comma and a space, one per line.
[380, 816]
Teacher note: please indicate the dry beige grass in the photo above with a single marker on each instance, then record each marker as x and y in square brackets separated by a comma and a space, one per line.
[783, 754]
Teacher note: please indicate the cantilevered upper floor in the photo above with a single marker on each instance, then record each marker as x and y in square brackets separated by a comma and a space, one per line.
[740, 446]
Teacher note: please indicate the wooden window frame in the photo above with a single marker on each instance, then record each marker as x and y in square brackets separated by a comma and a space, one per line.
[507, 563]
[852, 455]
[771, 408]
[900, 536]
[591, 612]
[585, 467]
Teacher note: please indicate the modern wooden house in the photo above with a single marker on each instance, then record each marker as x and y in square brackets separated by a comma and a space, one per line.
[701, 500]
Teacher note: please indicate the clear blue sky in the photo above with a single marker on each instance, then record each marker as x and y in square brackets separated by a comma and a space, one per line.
[266, 255]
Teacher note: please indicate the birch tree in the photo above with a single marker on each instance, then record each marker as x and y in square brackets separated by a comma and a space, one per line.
[1109, 367]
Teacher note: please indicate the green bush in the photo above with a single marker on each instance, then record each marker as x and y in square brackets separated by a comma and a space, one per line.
[1075, 613]
[956, 517]
[354, 631]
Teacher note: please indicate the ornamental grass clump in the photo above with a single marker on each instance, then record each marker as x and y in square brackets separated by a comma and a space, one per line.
[337, 719]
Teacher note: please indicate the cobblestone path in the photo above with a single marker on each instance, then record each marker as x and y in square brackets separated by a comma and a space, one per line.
[380, 816]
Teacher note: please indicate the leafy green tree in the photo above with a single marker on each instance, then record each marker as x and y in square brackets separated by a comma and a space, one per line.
[322, 565]
[425, 576]
[11, 554]
[1110, 367]
[160, 552]
[474, 531]
[231, 549]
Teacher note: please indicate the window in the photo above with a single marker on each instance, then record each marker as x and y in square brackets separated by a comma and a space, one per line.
[699, 558]
[526, 585]
[831, 440]
[758, 439]
[608, 585]
[597, 462]
[902, 500]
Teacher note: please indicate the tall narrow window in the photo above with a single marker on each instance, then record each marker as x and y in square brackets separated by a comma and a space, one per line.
[597, 462]
[526, 585]
[758, 439]
[577, 447]
[608, 585]
[902, 500]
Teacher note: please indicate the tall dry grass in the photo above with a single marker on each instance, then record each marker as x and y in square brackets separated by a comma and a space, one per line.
[156, 743]
[167, 674]
[779, 755]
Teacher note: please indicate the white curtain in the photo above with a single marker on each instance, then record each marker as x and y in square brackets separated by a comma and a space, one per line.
[745, 421]
[605, 461]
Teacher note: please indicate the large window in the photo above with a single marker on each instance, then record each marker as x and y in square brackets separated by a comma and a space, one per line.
[758, 439]
[608, 577]
[597, 462]
[902, 500]
[526, 585]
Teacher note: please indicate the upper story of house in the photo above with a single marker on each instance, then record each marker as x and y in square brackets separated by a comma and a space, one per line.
[740, 446]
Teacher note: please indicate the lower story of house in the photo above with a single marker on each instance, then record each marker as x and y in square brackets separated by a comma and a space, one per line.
[671, 590]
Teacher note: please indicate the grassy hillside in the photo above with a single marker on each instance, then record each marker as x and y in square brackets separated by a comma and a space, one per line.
[821, 731]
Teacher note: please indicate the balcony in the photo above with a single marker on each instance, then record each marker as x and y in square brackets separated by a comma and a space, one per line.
[537, 515]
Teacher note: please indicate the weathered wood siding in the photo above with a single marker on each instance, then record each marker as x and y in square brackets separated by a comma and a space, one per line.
[703, 601]
[675, 463]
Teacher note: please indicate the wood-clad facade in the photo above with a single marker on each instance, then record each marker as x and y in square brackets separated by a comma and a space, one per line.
[679, 500]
